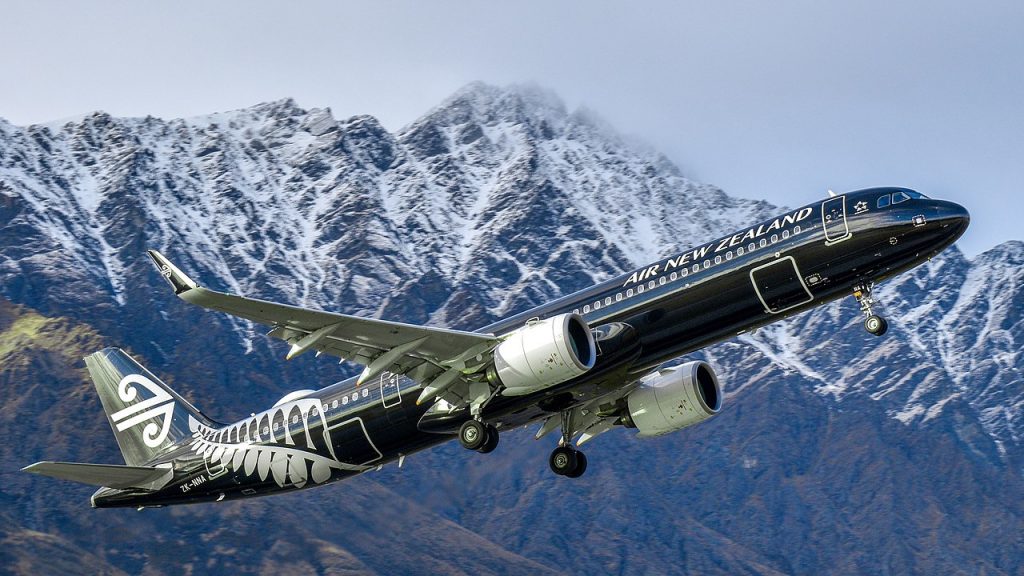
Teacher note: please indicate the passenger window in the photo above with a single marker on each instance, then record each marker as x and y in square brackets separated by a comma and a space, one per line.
[629, 293]
[898, 197]
[883, 201]
[640, 289]
[608, 301]
[295, 419]
[344, 401]
[718, 259]
[685, 271]
[796, 230]
[618, 297]
[597, 305]
[674, 276]
[728, 255]
[785, 234]
[696, 267]
[366, 392]
[775, 238]
[334, 404]
[762, 243]
[661, 281]
[707, 264]
[739, 251]
[586, 308]
[751, 247]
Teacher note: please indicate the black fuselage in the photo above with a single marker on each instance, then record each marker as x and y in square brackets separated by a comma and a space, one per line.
[642, 319]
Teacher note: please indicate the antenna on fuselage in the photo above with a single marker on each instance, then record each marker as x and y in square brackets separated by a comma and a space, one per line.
[831, 194]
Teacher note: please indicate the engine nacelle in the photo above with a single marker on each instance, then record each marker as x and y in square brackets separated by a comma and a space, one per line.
[674, 398]
[544, 353]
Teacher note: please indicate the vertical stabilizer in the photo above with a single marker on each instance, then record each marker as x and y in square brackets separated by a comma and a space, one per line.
[147, 417]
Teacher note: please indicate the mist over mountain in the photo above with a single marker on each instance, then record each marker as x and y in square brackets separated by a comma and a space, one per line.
[835, 451]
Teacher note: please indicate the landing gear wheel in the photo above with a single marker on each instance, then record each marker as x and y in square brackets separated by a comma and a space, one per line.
[492, 441]
[873, 323]
[472, 434]
[581, 466]
[876, 325]
[563, 460]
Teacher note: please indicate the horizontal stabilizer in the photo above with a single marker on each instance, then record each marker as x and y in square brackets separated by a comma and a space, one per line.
[109, 475]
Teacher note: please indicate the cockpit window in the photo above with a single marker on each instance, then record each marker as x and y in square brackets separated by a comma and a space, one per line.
[915, 195]
[883, 201]
[898, 197]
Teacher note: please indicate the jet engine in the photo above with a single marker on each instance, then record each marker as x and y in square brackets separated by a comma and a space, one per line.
[544, 353]
[674, 398]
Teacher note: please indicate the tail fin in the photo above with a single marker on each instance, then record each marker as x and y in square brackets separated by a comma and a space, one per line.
[147, 417]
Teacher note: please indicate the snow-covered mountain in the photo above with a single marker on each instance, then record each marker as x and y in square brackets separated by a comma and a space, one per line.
[496, 200]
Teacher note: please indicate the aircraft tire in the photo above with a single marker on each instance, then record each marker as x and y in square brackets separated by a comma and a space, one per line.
[472, 434]
[876, 325]
[492, 441]
[581, 466]
[563, 460]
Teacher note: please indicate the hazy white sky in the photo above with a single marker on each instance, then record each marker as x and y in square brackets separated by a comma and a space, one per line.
[778, 100]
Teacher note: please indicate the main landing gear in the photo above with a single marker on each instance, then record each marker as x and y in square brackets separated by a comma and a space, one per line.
[873, 323]
[566, 460]
[475, 435]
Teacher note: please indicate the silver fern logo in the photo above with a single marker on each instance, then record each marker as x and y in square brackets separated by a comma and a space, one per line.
[290, 444]
[157, 409]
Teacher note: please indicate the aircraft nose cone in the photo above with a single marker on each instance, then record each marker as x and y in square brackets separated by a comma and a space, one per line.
[955, 213]
[953, 217]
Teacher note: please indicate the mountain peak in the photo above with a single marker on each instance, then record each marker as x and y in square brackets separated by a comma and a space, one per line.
[539, 111]
[527, 96]
[1010, 252]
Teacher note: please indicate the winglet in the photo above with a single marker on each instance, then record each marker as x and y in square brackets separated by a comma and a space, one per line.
[177, 279]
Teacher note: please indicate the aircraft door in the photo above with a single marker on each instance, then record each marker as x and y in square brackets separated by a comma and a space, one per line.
[833, 219]
[779, 285]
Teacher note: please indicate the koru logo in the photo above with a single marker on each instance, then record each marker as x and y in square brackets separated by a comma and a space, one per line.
[165, 271]
[160, 406]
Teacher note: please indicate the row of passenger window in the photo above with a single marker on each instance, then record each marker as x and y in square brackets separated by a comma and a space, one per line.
[686, 271]
[345, 400]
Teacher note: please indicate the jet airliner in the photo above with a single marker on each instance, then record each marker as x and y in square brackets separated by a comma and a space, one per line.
[597, 360]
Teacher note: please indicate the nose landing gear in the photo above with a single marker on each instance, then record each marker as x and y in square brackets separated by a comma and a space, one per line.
[873, 323]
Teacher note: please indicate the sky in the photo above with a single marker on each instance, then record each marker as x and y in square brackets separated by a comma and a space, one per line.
[778, 100]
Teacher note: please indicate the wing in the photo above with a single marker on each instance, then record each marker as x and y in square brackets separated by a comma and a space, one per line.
[437, 357]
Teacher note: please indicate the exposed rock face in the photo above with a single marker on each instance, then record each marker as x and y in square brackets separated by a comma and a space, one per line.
[836, 451]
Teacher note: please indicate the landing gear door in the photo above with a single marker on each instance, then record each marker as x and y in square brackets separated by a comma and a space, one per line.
[833, 219]
[779, 285]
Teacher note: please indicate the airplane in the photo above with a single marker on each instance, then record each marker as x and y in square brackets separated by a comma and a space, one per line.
[602, 358]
